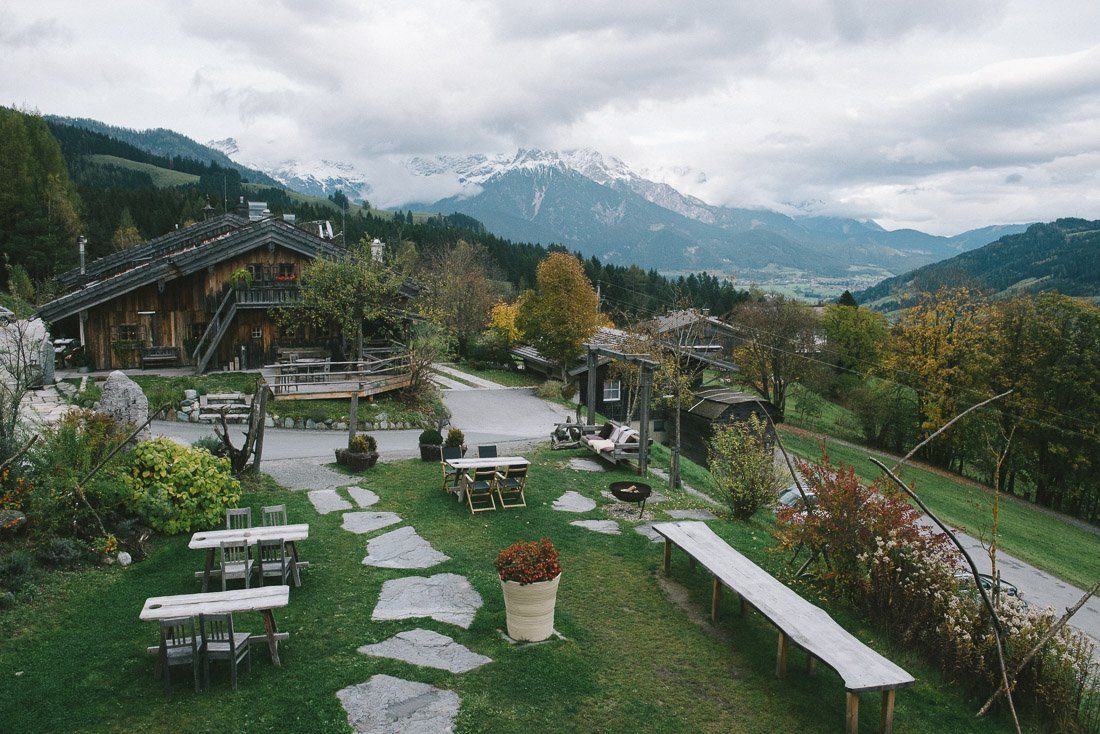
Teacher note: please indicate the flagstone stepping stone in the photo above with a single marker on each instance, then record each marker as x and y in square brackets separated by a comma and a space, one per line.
[402, 548]
[607, 527]
[427, 648]
[365, 522]
[693, 514]
[362, 497]
[328, 500]
[586, 465]
[647, 530]
[574, 502]
[388, 705]
[445, 597]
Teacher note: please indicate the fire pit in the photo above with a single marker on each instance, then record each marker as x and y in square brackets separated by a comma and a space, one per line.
[632, 492]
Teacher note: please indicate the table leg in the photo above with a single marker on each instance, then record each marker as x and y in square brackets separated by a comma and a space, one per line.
[668, 556]
[888, 712]
[851, 717]
[781, 656]
[715, 599]
[270, 629]
[294, 559]
[207, 568]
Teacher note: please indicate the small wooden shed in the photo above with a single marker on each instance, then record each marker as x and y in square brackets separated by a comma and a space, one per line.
[715, 407]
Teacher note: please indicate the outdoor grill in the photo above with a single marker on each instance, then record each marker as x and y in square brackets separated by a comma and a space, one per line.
[632, 492]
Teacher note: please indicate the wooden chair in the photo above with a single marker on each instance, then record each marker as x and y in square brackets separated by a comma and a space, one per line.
[236, 562]
[480, 486]
[274, 515]
[451, 476]
[221, 642]
[238, 518]
[275, 562]
[178, 646]
[488, 451]
[510, 486]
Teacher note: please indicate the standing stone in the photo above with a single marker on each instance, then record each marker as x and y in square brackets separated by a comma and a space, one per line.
[191, 394]
[288, 423]
[124, 401]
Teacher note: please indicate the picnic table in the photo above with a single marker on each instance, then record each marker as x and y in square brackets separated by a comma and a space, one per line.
[211, 540]
[263, 600]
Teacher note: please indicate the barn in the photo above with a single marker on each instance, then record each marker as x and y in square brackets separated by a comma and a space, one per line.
[715, 407]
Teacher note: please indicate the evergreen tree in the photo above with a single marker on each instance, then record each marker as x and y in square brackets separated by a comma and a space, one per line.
[126, 234]
[847, 299]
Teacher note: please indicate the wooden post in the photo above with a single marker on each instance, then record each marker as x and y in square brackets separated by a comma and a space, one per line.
[591, 397]
[781, 656]
[258, 450]
[668, 557]
[715, 599]
[851, 717]
[353, 417]
[645, 380]
[888, 711]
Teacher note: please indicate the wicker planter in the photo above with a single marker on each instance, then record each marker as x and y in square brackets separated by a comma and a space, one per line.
[355, 461]
[429, 452]
[529, 609]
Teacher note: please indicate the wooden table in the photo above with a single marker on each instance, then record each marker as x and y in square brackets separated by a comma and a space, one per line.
[263, 600]
[211, 540]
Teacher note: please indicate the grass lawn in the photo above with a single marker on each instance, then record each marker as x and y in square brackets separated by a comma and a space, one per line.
[508, 378]
[73, 659]
[1045, 541]
[162, 390]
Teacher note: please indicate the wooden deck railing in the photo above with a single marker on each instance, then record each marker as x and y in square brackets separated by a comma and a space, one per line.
[338, 378]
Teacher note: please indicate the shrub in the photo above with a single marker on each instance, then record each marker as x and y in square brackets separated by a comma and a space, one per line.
[568, 390]
[528, 562]
[177, 489]
[15, 569]
[62, 553]
[550, 390]
[455, 438]
[213, 444]
[431, 437]
[743, 467]
[362, 443]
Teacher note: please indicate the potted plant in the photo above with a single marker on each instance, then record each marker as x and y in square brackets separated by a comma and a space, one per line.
[529, 576]
[456, 440]
[241, 278]
[361, 453]
[430, 441]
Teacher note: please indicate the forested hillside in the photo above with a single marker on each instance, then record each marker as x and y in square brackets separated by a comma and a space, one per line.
[1062, 256]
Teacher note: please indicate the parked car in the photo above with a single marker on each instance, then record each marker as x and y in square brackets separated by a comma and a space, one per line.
[988, 583]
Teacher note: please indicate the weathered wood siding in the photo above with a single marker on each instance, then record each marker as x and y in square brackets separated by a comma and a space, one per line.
[697, 431]
[178, 305]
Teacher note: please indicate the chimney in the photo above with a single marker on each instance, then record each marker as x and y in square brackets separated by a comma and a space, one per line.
[242, 208]
[82, 242]
[377, 248]
[207, 211]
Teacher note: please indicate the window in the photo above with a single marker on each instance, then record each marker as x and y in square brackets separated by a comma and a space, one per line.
[257, 332]
[287, 271]
[612, 390]
[257, 271]
[128, 332]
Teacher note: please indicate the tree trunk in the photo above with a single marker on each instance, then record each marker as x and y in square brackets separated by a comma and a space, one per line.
[674, 462]
[353, 411]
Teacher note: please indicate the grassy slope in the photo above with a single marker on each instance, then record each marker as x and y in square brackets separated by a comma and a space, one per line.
[633, 662]
[1043, 540]
[508, 378]
[162, 177]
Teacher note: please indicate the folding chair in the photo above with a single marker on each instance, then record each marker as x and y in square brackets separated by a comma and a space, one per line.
[510, 486]
[489, 451]
[480, 486]
[450, 475]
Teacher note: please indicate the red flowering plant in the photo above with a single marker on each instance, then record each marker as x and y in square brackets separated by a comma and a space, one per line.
[529, 562]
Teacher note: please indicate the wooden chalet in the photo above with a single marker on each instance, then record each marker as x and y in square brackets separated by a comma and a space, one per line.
[171, 301]
[713, 408]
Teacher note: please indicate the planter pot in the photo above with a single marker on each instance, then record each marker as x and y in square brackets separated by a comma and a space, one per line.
[355, 461]
[529, 609]
[429, 452]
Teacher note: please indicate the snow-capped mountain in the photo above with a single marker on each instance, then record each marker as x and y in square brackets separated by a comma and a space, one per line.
[319, 178]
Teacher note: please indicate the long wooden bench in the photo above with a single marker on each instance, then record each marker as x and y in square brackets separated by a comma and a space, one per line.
[160, 356]
[799, 622]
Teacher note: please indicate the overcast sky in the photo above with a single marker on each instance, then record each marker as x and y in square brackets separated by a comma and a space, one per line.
[938, 114]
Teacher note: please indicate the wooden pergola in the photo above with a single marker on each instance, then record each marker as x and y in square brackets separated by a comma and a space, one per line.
[646, 368]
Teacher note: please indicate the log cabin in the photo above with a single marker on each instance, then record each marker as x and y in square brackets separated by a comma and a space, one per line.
[175, 300]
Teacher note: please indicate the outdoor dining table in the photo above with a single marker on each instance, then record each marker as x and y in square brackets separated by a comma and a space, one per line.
[211, 540]
[262, 599]
[490, 462]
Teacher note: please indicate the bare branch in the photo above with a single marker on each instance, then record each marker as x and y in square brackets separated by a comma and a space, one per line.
[945, 426]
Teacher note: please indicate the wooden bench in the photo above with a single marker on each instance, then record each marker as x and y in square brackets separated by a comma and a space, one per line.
[799, 622]
[621, 450]
[160, 356]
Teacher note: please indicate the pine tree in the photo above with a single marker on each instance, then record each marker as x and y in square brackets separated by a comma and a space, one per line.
[126, 234]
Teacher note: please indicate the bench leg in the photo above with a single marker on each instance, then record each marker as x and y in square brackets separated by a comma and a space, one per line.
[888, 711]
[851, 717]
[668, 556]
[741, 605]
[781, 657]
[715, 599]
[207, 568]
[272, 642]
[811, 664]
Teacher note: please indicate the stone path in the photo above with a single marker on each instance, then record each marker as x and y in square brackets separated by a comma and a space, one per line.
[445, 597]
[574, 502]
[647, 530]
[479, 382]
[388, 705]
[586, 465]
[427, 648]
[362, 497]
[298, 474]
[43, 407]
[402, 548]
[692, 514]
[607, 527]
[328, 500]
[365, 522]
